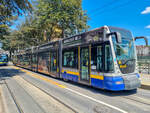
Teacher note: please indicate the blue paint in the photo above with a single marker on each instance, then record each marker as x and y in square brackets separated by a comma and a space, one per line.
[110, 83]
[71, 77]
[97, 83]
[3, 64]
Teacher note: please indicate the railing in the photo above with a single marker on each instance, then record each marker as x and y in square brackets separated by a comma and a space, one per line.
[144, 66]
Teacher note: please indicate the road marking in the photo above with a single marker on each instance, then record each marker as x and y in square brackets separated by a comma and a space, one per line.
[62, 86]
[98, 101]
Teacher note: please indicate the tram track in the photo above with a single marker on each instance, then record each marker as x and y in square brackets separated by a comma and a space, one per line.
[137, 99]
[14, 98]
[131, 98]
[13, 84]
[72, 109]
[20, 107]
[126, 97]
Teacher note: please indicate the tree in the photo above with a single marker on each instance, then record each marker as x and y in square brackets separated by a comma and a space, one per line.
[61, 18]
[50, 20]
[11, 8]
[4, 30]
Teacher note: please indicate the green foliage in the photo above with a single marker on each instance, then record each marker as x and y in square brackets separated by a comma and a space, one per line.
[50, 20]
[61, 18]
[3, 31]
[9, 9]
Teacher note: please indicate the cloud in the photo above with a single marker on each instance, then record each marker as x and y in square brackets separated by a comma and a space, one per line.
[148, 27]
[146, 11]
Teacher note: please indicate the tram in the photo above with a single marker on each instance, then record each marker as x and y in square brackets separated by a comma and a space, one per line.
[3, 59]
[103, 58]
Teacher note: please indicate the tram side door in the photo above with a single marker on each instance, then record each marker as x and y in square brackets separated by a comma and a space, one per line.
[53, 62]
[84, 64]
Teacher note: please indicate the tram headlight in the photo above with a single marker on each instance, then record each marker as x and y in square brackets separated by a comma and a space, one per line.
[119, 82]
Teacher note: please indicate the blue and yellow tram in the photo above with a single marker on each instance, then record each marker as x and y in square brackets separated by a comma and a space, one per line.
[3, 59]
[103, 58]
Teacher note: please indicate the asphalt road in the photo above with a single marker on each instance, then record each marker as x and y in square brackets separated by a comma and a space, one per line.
[29, 92]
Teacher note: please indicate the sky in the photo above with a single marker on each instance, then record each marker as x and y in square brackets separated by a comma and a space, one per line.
[133, 15]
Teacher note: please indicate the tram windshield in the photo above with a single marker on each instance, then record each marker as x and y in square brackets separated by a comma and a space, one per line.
[125, 51]
[3, 58]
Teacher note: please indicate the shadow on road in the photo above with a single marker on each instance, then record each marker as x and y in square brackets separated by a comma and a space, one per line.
[6, 72]
[105, 92]
[98, 90]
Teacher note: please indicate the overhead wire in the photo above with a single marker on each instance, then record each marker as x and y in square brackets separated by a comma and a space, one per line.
[116, 7]
[104, 6]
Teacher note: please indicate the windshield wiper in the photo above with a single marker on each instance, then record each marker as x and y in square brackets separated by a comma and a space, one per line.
[128, 60]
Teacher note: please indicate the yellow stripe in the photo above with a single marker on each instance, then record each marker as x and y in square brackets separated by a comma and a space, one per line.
[70, 72]
[98, 77]
[40, 77]
[2, 62]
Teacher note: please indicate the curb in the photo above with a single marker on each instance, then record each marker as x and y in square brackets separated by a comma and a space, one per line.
[143, 86]
[5, 109]
[1, 101]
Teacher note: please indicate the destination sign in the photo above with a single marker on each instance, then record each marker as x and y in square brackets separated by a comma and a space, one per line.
[72, 39]
[46, 47]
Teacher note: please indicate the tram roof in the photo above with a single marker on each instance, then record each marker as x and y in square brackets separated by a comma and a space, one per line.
[56, 41]
[96, 29]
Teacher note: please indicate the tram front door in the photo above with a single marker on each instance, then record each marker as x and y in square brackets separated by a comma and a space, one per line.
[84, 64]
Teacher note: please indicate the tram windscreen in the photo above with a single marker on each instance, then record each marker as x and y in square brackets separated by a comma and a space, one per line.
[3, 58]
[125, 51]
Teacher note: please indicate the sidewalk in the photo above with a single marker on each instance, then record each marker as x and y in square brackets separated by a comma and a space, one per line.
[1, 103]
[145, 81]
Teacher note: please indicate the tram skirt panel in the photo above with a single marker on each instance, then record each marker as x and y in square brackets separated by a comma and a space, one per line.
[114, 83]
[97, 83]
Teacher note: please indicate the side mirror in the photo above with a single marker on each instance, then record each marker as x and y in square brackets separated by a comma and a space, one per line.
[117, 36]
[142, 37]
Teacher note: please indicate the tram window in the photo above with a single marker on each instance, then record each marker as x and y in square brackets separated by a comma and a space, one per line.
[44, 58]
[108, 59]
[70, 58]
[34, 60]
[96, 58]
[43, 61]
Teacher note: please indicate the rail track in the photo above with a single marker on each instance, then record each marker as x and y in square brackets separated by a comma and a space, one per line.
[133, 98]
[137, 99]
[14, 98]
[18, 106]
[50, 95]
